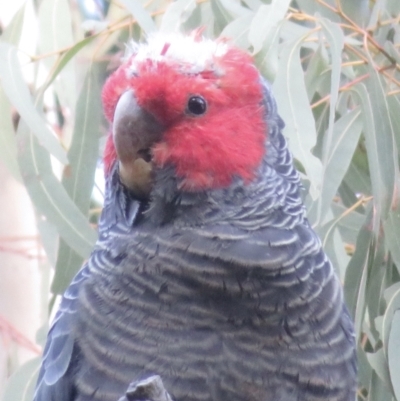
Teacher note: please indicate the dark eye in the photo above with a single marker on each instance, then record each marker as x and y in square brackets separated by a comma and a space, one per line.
[196, 105]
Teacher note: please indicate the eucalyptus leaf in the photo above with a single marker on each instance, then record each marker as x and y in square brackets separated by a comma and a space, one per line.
[142, 16]
[334, 36]
[17, 91]
[291, 96]
[78, 178]
[266, 21]
[393, 350]
[63, 60]
[380, 157]
[49, 196]
[392, 234]
[68, 264]
[383, 141]
[392, 295]
[238, 31]
[378, 362]
[12, 33]
[56, 34]
[22, 383]
[345, 135]
[177, 13]
[221, 15]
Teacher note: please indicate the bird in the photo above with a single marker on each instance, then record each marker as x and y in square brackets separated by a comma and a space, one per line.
[207, 273]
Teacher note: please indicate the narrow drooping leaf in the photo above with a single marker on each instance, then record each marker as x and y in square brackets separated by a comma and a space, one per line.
[142, 17]
[22, 383]
[291, 96]
[357, 270]
[380, 152]
[221, 17]
[238, 30]
[378, 390]
[393, 350]
[317, 65]
[392, 234]
[49, 196]
[234, 8]
[78, 178]
[357, 10]
[17, 91]
[63, 60]
[266, 21]
[349, 223]
[334, 36]
[68, 263]
[55, 34]
[345, 135]
[177, 13]
[267, 59]
[384, 141]
[12, 33]
[392, 297]
[378, 362]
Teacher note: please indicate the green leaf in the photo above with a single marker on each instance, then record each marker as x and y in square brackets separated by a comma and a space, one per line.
[68, 263]
[384, 140]
[265, 23]
[176, 14]
[312, 7]
[381, 149]
[21, 385]
[334, 36]
[267, 59]
[357, 10]
[63, 60]
[18, 93]
[55, 33]
[378, 362]
[291, 96]
[221, 16]
[49, 196]
[392, 234]
[233, 8]
[49, 239]
[392, 296]
[349, 224]
[315, 69]
[378, 390]
[12, 33]
[393, 353]
[238, 30]
[345, 135]
[78, 177]
[356, 272]
[8, 144]
[142, 17]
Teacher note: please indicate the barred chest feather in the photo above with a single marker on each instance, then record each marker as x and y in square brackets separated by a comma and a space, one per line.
[218, 313]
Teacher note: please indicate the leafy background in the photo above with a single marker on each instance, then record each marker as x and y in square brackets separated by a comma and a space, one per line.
[335, 68]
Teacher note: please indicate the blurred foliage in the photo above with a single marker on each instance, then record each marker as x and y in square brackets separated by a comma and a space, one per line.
[335, 68]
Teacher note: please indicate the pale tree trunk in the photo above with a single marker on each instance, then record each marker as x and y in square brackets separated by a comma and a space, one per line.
[20, 306]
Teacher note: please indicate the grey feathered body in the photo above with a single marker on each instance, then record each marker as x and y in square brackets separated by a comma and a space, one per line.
[226, 294]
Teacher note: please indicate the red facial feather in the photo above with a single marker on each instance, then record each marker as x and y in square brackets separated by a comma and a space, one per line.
[207, 150]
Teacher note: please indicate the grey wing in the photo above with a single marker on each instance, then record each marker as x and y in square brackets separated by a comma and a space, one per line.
[60, 356]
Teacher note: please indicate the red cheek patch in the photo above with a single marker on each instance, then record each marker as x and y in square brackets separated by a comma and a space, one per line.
[207, 151]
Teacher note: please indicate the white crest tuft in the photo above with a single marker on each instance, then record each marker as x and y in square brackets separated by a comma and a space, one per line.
[195, 55]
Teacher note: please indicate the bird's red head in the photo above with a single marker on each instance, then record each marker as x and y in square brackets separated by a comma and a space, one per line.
[204, 97]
